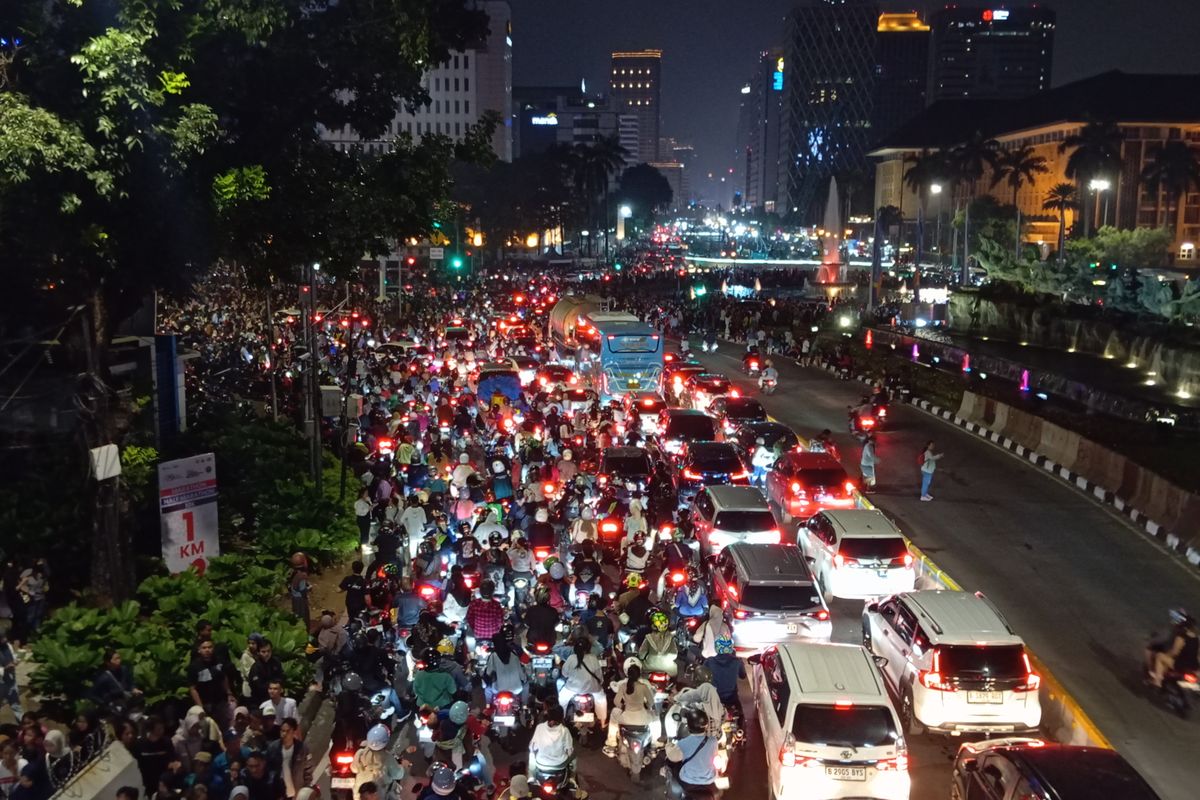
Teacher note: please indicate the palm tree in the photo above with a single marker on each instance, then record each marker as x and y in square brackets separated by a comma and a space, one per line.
[1017, 167]
[1174, 168]
[970, 160]
[1061, 197]
[1095, 151]
[926, 168]
[596, 165]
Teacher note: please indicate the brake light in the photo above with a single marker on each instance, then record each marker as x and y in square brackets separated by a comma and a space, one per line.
[608, 526]
[541, 553]
[428, 592]
[740, 475]
[908, 559]
[932, 679]
[897, 764]
[788, 758]
[753, 364]
[678, 577]
[469, 580]
[843, 703]
[867, 422]
[1189, 678]
[659, 677]
[602, 479]
[691, 474]
[732, 592]
[542, 647]
[548, 488]
[1033, 681]
[840, 561]
[735, 393]
[647, 403]
[741, 613]
[778, 534]
[821, 615]
[881, 413]
[386, 445]
[504, 699]
[849, 487]
[573, 380]
[543, 381]
[344, 758]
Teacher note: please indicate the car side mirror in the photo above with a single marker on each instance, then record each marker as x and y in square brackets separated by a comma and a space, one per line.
[810, 560]
[880, 661]
[970, 765]
[755, 659]
[872, 608]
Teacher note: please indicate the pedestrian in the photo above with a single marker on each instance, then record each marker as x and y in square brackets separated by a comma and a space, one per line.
[9, 695]
[32, 588]
[363, 507]
[928, 463]
[299, 587]
[867, 463]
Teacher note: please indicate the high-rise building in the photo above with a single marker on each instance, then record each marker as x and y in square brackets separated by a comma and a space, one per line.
[990, 53]
[828, 89]
[758, 131]
[636, 89]
[545, 116]
[461, 89]
[902, 52]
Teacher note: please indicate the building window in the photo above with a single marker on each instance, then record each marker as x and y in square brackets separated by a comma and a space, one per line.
[466, 106]
[456, 62]
[437, 106]
[456, 84]
[1187, 251]
[455, 106]
[466, 61]
[466, 84]
[456, 129]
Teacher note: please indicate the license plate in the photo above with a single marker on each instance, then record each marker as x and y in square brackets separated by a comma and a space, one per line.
[792, 627]
[883, 573]
[543, 662]
[506, 719]
[985, 697]
[587, 717]
[846, 773]
[660, 696]
[341, 783]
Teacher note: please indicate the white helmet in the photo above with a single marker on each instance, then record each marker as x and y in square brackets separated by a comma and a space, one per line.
[498, 468]
[542, 515]
[629, 662]
[377, 737]
[566, 455]
[587, 514]
[463, 458]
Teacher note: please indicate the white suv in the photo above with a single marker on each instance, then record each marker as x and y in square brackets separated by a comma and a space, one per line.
[727, 514]
[857, 553]
[953, 663]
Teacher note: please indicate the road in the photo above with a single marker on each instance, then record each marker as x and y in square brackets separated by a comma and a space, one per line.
[1080, 585]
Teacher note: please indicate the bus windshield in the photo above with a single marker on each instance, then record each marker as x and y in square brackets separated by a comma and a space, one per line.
[632, 343]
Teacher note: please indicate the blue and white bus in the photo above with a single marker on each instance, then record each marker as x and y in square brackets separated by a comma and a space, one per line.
[621, 356]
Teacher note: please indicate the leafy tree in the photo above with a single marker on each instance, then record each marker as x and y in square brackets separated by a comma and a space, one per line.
[1018, 167]
[139, 142]
[969, 161]
[1173, 167]
[593, 167]
[645, 190]
[1061, 197]
[1095, 151]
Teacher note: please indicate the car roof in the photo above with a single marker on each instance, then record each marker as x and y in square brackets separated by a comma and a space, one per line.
[684, 412]
[737, 498]
[1072, 772]
[624, 452]
[804, 459]
[831, 672]
[765, 425]
[862, 523]
[705, 448]
[771, 564]
[743, 402]
[959, 618]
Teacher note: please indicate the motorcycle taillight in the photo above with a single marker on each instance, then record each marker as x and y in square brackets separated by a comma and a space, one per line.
[584, 703]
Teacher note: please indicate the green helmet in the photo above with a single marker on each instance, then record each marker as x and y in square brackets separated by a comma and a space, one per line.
[659, 621]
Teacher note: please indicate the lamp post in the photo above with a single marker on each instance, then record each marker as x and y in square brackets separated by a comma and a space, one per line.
[936, 190]
[623, 213]
[1099, 185]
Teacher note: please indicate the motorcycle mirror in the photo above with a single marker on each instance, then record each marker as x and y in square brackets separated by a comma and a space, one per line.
[880, 661]
[755, 659]
[873, 607]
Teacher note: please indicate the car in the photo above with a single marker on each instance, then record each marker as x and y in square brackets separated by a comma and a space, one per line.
[679, 425]
[733, 412]
[622, 465]
[801, 484]
[676, 377]
[703, 387]
[857, 553]
[828, 726]
[459, 334]
[769, 596]
[1032, 769]
[527, 368]
[772, 433]
[953, 663]
[556, 376]
[645, 407]
[578, 399]
[708, 464]
[727, 514]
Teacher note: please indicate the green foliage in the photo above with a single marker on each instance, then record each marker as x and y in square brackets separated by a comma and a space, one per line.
[37, 140]
[240, 185]
[645, 189]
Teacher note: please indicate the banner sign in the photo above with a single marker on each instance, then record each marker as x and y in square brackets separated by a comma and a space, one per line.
[187, 507]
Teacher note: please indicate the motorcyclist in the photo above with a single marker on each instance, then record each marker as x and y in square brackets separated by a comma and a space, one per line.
[633, 704]
[633, 606]
[541, 620]
[541, 532]
[451, 733]
[503, 671]
[751, 359]
[495, 564]
[520, 560]
[726, 670]
[502, 483]
[692, 758]
[703, 694]
[585, 585]
[762, 460]
[443, 785]
[691, 599]
[1178, 652]
[676, 556]
[551, 747]
[584, 528]
[485, 615]
[433, 687]
[769, 374]
[582, 674]
[446, 652]
[637, 556]
[556, 583]
[427, 566]
[658, 651]
[374, 762]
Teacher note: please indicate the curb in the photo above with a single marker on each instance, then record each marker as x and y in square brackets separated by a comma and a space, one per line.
[1095, 491]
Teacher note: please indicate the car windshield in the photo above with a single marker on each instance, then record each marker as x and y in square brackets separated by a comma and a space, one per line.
[761, 520]
[716, 461]
[829, 478]
[457, 333]
[627, 464]
[1004, 662]
[881, 548]
[744, 409]
[781, 598]
[713, 385]
[691, 426]
[844, 726]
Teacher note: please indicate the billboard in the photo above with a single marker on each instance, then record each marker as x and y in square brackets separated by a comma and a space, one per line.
[187, 507]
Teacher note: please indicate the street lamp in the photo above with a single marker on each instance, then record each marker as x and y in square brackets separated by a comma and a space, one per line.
[1098, 185]
[623, 213]
[936, 189]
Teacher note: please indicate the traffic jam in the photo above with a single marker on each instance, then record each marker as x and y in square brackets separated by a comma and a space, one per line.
[602, 549]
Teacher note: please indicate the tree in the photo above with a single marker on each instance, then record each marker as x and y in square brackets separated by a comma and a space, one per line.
[1174, 168]
[140, 144]
[645, 190]
[1017, 167]
[1095, 151]
[925, 169]
[1061, 197]
[594, 166]
[969, 160]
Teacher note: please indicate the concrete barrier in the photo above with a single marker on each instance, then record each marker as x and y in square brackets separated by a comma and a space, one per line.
[1059, 445]
[1024, 429]
[102, 776]
[1000, 419]
[1101, 465]
[971, 407]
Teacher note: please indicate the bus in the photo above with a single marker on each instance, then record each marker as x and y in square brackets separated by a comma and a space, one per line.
[620, 356]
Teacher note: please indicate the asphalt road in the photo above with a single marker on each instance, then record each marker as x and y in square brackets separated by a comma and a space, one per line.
[1078, 583]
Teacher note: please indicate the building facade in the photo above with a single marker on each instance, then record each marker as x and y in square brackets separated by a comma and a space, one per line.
[759, 129]
[902, 72]
[828, 90]
[990, 52]
[546, 116]
[461, 90]
[636, 90]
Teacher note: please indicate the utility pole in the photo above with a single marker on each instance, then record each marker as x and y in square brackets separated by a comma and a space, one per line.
[271, 354]
[312, 404]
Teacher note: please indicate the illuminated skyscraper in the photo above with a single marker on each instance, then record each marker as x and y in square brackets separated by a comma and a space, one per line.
[990, 53]
[636, 88]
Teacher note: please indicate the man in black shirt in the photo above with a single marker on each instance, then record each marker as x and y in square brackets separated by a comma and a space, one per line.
[262, 785]
[266, 668]
[153, 752]
[208, 679]
[355, 588]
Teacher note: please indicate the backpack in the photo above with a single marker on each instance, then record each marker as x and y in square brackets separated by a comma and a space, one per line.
[921, 459]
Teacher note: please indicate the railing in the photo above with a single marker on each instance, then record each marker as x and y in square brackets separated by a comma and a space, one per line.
[62, 770]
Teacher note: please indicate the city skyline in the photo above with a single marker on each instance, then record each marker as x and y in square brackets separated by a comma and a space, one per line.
[710, 47]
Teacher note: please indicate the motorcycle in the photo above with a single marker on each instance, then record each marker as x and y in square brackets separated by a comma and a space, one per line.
[581, 714]
[341, 774]
[860, 424]
[542, 672]
[688, 625]
[767, 385]
[1177, 692]
[635, 749]
[752, 365]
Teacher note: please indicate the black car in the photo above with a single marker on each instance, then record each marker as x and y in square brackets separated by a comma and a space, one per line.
[733, 412]
[709, 464]
[748, 434]
[1031, 769]
[677, 426]
[622, 465]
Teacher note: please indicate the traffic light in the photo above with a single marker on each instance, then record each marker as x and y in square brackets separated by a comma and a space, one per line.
[437, 225]
[411, 261]
[456, 262]
[617, 266]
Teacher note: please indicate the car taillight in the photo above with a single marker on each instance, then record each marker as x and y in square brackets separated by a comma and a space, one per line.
[788, 758]
[574, 380]
[840, 560]
[734, 393]
[740, 475]
[798, 490]
[908, 559]
[543, 381]
[821, 615]
[1033, 681]
[778, 534]
[647, 403]
[897, 764]
[602, 480]
[932, 679]
[732, 592]
[741, 613]
[691, 474]
[849, 486]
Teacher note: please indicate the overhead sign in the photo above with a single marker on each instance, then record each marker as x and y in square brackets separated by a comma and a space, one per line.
[549, 119]
[777, 81]
[995, 14]
[437, 253]
[187, 508]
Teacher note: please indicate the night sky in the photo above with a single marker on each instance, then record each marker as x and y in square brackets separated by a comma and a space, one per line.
[710, 47]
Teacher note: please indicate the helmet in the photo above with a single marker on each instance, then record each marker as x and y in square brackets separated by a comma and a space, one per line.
[566, 455]
[542, 515]
[697, 719]
[1179, 616]
[659, 621]
[377, 737]
[463, 458]
[391, 569]
[426, 547]
[458, 712]
[507, 632]
[498, 468]
[541, 594]
[693, 577]
[723, 645]
[445, 647]
[587, 514]
[701, 674]
[442, 779]
[630, 662]
[352, 682]
[761, 441]
[633, 581]
[557, 571]
[495, 539]
[639, 536]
